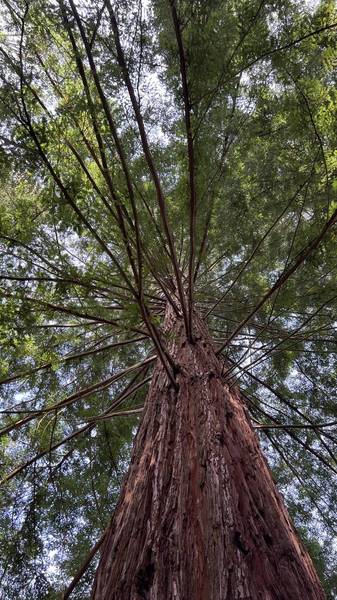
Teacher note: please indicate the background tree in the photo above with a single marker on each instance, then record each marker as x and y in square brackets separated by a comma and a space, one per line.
[141, 145]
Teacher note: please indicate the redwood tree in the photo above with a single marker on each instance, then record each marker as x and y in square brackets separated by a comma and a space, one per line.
[168, 299]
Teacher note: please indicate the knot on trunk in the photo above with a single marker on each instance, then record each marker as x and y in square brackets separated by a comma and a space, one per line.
[144, 580]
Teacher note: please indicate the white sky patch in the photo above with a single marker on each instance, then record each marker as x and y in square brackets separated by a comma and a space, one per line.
[311, 5]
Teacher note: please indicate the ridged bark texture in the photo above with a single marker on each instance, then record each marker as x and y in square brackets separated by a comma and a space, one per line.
[199, 517]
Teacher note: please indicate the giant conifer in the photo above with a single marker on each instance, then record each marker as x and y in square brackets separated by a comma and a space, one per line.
[167, 240]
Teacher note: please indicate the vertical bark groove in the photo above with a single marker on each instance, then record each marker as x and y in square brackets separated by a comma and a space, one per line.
[199, 517]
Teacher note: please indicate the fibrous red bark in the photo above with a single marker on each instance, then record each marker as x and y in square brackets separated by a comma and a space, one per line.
[199, 517]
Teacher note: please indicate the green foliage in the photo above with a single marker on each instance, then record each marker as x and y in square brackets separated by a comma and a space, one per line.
[82, 299]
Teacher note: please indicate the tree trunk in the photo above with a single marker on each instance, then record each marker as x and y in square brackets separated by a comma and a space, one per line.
[199, 517]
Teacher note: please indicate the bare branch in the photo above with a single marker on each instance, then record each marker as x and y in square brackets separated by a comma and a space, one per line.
[79, 395]
[301, 258]
[291, 426]
[84, 566]
[71, 357]
[149, 160]
[191, 161]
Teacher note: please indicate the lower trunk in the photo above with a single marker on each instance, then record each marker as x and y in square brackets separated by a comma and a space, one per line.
[199, 517]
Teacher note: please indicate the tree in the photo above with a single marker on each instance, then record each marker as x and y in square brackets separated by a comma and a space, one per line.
[167, 238]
